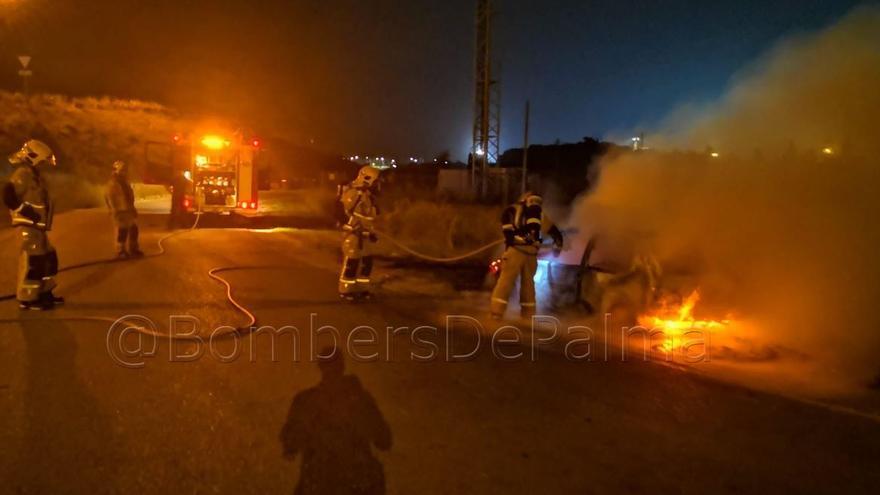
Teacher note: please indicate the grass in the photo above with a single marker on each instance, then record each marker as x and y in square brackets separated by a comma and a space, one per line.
[441, 228]
[87, 134]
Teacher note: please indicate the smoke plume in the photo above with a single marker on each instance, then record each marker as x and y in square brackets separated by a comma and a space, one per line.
[780, 226]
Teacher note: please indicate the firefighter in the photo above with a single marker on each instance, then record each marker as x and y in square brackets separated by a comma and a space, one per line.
[179, 187]
[119, 197]
[27, 197]
[358, 201]
[523, 224]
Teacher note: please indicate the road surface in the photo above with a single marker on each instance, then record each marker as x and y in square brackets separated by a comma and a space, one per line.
[77, 421]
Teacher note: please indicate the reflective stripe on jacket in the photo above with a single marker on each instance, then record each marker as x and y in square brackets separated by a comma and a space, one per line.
[30, 189]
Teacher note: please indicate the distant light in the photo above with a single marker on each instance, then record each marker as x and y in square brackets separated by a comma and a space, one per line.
[480, 152]
[256, 143]
[215, 142]
[715, 154]
[201, 161]
[188, 175]
[828, 151]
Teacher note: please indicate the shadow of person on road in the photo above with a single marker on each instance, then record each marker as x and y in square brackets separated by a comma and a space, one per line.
[333, 426]
[68, 445]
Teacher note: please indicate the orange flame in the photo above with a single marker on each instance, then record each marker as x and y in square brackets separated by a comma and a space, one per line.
[677, 320]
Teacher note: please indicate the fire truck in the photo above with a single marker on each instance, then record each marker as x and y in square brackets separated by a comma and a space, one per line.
[208, 172]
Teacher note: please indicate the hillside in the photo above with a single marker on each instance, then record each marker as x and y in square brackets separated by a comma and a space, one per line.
[87, 134]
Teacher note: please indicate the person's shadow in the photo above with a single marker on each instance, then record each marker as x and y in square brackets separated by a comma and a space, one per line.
[68, 445]
[334, 426]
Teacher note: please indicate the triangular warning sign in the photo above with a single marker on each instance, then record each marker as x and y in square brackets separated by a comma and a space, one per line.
[25, 61]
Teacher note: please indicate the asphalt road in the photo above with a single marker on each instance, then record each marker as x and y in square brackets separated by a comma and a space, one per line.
[76, 421]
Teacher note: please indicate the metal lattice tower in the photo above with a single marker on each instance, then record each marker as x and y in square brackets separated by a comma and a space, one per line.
[487, 107]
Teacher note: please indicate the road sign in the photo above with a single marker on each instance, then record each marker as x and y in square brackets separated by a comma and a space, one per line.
[25, 73]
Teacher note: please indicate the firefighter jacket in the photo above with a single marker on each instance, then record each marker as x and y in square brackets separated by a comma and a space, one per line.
[360, 207]
[27, 196]
[525, 225]
[120, 197]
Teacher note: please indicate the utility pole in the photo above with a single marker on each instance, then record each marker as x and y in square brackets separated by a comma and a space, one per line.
[525, 165]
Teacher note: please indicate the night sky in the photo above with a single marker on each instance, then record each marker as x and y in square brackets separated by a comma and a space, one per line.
[392, 76]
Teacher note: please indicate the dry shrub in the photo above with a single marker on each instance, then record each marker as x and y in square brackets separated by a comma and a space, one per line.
[87, 134]
[441, 229]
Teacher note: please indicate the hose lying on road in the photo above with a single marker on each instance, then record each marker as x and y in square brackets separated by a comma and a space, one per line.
[252, 320]
[213, 273]
[160, 244]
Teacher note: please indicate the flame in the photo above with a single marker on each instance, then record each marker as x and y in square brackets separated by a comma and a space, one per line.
[677, 320]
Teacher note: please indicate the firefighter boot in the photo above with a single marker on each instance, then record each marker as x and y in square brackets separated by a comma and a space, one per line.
[52, 299]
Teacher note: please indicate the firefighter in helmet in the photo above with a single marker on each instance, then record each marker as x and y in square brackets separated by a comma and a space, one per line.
[27, 197]
[358, 201]
[523, 224]
[119, 197]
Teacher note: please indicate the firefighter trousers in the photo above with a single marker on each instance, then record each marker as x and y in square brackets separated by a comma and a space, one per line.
[357, 263]
[127, 233]
[37, 265]
[519, 262]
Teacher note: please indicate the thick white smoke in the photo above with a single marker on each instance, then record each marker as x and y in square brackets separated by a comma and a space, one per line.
[782, 227]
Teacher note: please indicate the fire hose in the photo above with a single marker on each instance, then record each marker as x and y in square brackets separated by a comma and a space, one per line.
[435, 259]
[212, 273]
[453, 259]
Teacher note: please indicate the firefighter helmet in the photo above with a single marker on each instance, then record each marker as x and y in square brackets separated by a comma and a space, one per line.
[531, 199]
[33, 153]
[367, 177]
[120, 167]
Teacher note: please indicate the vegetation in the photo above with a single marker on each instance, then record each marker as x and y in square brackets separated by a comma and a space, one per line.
[87, 134]
[439, 228]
